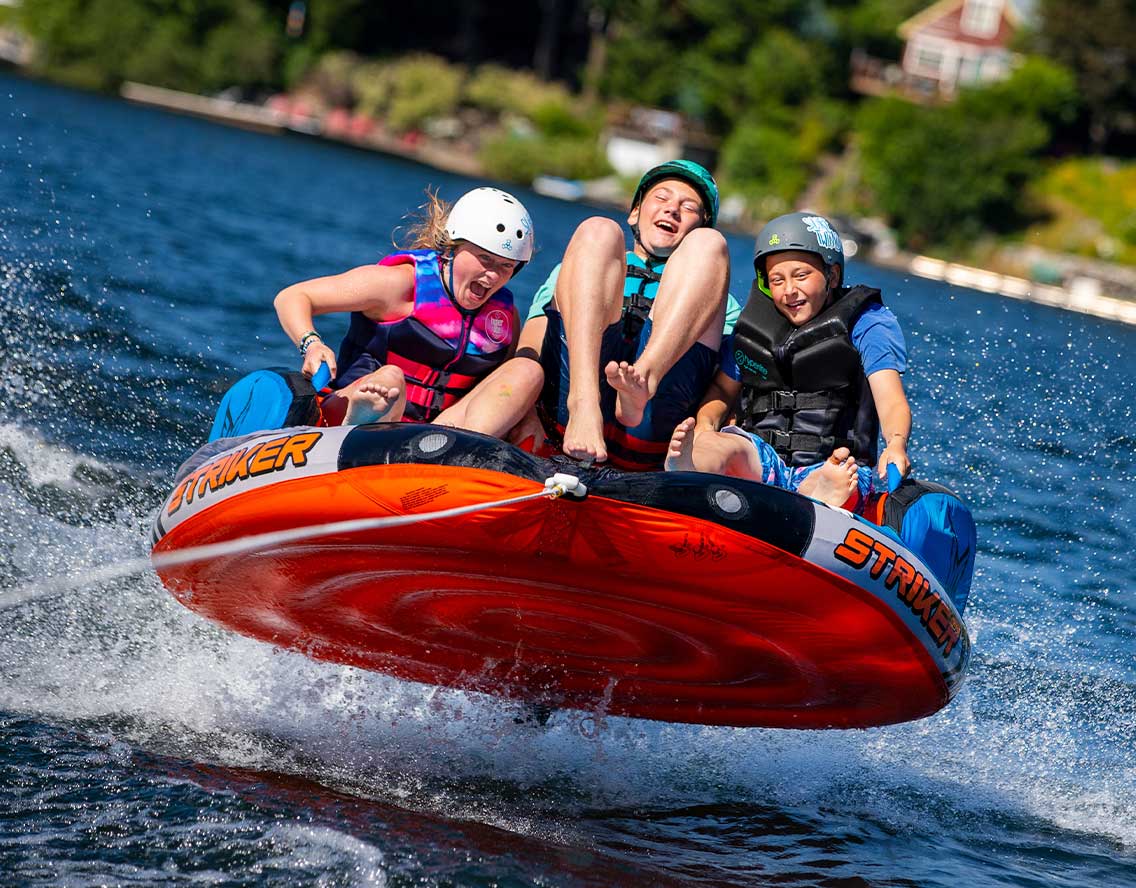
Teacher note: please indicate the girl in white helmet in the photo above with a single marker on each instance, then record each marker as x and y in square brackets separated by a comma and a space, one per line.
[427, 324]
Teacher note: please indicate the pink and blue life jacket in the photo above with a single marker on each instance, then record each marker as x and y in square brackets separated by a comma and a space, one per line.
[443, 349]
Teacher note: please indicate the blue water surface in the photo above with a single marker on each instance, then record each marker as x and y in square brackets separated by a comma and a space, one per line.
[139, 254]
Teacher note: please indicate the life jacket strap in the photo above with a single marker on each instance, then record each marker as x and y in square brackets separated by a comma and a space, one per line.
[636, 306]
[792, 442]
[786, 400]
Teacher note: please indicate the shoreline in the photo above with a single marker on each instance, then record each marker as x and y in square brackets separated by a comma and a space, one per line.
[1082, 295]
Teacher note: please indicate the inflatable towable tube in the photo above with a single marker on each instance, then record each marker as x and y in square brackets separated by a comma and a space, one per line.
[678, 596]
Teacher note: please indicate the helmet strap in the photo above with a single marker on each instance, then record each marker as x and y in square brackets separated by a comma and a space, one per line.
[449, 284]
[651, 257]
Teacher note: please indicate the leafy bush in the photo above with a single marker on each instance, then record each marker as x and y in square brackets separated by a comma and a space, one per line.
[333, 78]
[948, 174]
[771, 157]
[762, 162]
[244, 50]
[422, 87]
[201, 46]
[409, 91]
[521, 159]
[497, 89]
[1091, 200]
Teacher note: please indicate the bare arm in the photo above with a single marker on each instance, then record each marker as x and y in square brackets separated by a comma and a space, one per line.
[532, 337]
[895, 419]
[717, 403]
[383, 293]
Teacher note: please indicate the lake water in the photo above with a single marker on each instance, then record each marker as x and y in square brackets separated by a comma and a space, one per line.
[139, 254]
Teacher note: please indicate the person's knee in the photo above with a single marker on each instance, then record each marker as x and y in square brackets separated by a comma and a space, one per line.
[528, 376]
[707, 244]
[388, 375]
[395, 373]
[599, 235]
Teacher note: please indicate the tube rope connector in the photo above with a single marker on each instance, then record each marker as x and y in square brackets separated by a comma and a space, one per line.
[561, 483]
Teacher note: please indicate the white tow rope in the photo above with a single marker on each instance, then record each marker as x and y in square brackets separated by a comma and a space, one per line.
[556, 486]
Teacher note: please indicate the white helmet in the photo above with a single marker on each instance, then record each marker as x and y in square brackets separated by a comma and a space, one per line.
[495, 221]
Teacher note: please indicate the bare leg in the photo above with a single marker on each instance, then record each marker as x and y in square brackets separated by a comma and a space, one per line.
[713, 452]
[690, 307]
[835, 481]
[589, 296]
[377, 397]
[499, 401]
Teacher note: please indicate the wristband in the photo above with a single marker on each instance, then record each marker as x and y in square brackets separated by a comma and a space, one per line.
[307, 339]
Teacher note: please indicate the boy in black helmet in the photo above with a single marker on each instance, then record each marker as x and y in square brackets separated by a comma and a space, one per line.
[815, 372]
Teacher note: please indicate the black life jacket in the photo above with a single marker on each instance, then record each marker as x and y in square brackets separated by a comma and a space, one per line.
[803, 388]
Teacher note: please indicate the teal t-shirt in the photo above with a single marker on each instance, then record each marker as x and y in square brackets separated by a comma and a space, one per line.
[543, 297]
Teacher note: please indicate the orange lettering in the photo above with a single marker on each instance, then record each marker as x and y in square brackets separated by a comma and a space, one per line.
[902, 574]
[856, 548]
[939, 624]
[924, 604]
[265, 459]
[886, 557]
[237, 467]
[214, 474]
[297, 448]
[175, 500]
[953, 630]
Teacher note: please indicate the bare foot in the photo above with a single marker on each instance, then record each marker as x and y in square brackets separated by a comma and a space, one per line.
[583, 435]
[835, 481]
[632, 392]
[371, 402]
[680, 453]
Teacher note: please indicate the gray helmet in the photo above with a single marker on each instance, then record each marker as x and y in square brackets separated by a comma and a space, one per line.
[806, 232]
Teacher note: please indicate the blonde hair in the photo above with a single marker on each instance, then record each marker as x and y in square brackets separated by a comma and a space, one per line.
[427, 227]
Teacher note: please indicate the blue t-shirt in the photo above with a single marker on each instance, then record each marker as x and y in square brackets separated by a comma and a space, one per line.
[876, 335]
[543, 297]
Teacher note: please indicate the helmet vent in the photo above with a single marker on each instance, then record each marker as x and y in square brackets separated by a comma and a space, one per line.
[520, 234]
[500, 226]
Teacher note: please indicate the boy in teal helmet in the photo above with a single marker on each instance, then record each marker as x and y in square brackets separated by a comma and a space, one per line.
[629, 340]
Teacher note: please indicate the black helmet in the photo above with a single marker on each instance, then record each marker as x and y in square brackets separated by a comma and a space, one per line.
[806, 232]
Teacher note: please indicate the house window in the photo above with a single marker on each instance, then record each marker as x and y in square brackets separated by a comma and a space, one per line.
[926, 59]
[981, 18]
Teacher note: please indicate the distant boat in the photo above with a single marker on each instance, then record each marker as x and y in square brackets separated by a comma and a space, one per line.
[554, 186]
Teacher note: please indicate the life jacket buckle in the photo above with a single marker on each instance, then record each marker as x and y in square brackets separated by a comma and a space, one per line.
[780, 440]
[784, 400]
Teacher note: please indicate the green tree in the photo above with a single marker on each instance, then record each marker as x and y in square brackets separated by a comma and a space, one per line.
[1096, 39]
[946, 174]
[199, 45]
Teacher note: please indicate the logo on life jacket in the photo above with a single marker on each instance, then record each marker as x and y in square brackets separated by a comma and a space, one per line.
[747, 363]
[497, 326]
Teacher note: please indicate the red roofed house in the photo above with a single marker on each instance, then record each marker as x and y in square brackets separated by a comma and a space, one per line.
[960, 42]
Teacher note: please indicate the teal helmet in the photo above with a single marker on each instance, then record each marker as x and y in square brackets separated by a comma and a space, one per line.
[694, 174]
[806, 232]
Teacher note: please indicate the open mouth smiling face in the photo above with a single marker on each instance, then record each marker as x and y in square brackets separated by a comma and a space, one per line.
[798, 285]
[478, 274]
[669, 211]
